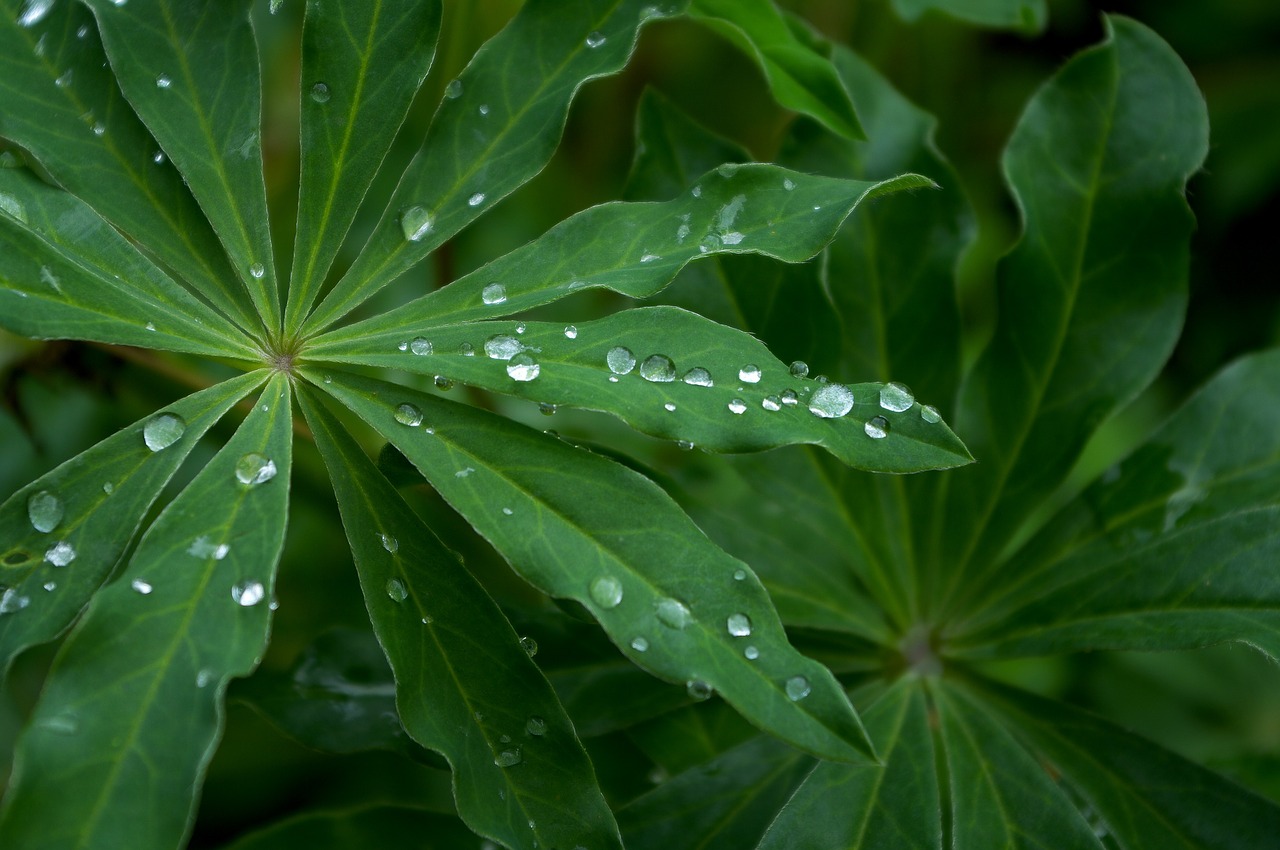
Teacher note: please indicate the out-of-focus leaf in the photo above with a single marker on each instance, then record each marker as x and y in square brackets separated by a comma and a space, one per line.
[362, 63]
[1027, 15]
[1139, 796]
[590, 695]
[1092, 298]
[801, 78]
[190, 71]
[372, 826]
[117, 746]
[581, 527]
[65, 531]
[464, 685]
[499, 124]
[673, 150]
[1175, 548]
[668, 357]
[69, 275]
[59, 101]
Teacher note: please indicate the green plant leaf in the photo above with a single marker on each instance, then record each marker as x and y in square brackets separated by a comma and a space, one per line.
[734, 209]
[520, 775]
[69, 275]
[1140, 796]
[496, 128]
[800, 77]
[1092, 298]
[362, 63]
[590, 695]
[85, 512]
[1027, 15]
[116, 747]
[1175, 548]
[585, 528]
[190, 71]
[369, 826]
[673, 150]
[661, 344]
[59, 101]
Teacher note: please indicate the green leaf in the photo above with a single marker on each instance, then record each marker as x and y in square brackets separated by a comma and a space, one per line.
[894, 807]
[585, 528]
[89, 509]
[370, 826]
[1091, 300]
[755, 402]
[190, 71]
[362, 63]
[800, 77]
[1175, 548]
[638, 248]
[69, 275]
[1141, 797]
[496, 128]
[116, 747]
[673, 150]
[59, 101]
[464, 685]
[1026, 15]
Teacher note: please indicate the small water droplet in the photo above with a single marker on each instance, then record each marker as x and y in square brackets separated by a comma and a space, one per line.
[523, 367]
[739, 625]
[203, 547]
[45, 511]
[494, 293]
[248, 594]
[699, 690]
[698, 377]
[83, 31]
[108, 487]
[930, 414]
[254, 469]
[749, 373]
[163, 430]
[396, 590]
[570, 332]
[831, 401]
[11, 602]
[60, 554]
[507, 512]
[529, 645]
[50, 586]
[442, 383]
[421, 346]
[788, 183]
[649, 258]
[320, 93]
[658, 368]
[484, 109]
[789, 397]
[158, 157]
[536, 726]
[99, 129]
[620, 360]
[453, 91]
[61, 724]
[204, 677]
[508, 757]
[464, 472]
[389, 543]
[606, 591]
[467, 350]
[163, 81]
[739, 575]
[476, 200]
[673, 613]
[896, 397]
[640, 644]
[521, 328]
[415, 223]
[141, 586]
[409, 414]
[670, 407]
[546, 408]
[799, 369]
[771, 403]
[258, 271]
[684, 445]
[34, 12]
[696, 191]
[595, 40]
[738, 406]
[877, 428]
[732, 237]
[751, 653]
[65, 80]
[797, 688]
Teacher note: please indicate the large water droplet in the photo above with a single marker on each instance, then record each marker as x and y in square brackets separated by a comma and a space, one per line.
[698, 689]
[45, 511]
[877, 428]
[529, 645]
[408, 414]
[143, 587]
[606, 591]
[930, 414]
[494, 293]
[595, 39]
[523, 367]
[749, 373]
[698, 377]
[421, 346]
[320, 93]
[389, 543]
[203, 547]
[658, 368]
[896, 397]
[396, 590]
[673, 613]
[738, 406]
[163, 430]
[536, 726]
[248, 593]
[508, 758]
[253, 469]
[799, 369]
[640, 644]
[570, 332]
[620, 360]
[797, 688]
[739, 625]
[502, 347]
[415, 223]
[60, 554]
[831, 401]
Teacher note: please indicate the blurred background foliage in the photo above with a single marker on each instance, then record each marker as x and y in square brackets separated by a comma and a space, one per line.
[1220, 706]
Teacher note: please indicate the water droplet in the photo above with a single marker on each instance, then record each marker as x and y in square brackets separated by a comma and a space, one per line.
[699, 690]
[494, 293]
[258, 271]
[529, 645]
[771, 403]
[50, 586]
[684, 445]
[523, 367]
[141, 586]
[508, 758]
[797, 688]
[421, 346]
[877, 428]
[248, 594]
[389, 543]
[163, 81]
[521, 328]
[415, 223]
[698, 377]
[61, 724]
[502, 347]
[10, 601]
[739, 625]
[831, 401]
[570, 332]
[163, 430]
[45, 511]
[799, 369]
[476, 200]
[640, 644]
[34, 12]
[151, 326]
[673, 613]
[60, 554]
[658, 368]
[253, 469]
[507, 512]
[408, 414]
[930, 414]
[696, 191]
[275, 6]
[790, 397]
[464, 472]
[788, 183]
[396, 590]
[732, 237]
[595, 39]
[453, 91]
[320, 93]
[738, 406]
[606, 591]
[536, 726]
[11, 205]
[158, 157]
[751, 653]
[620, 360]
[546, 408]
[649, 258]
[896, 397]
[203, 547]
[65, 80]
[670, 407]
[484, 109]
[749, 373]
[467, 350]
[99, 129]
[739, 575]
[203, 678]
[442, 383]
[108, 487]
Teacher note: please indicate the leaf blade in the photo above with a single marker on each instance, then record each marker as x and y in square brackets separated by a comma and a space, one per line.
[366, 826]
[1027, 15]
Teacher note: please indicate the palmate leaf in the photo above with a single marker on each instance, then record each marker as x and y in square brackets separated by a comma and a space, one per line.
[59, 101]
[83, 514]
[499, 124]
[367, 826]
[520, 775]
[1027, 15]
[129, 718]
[581, 527]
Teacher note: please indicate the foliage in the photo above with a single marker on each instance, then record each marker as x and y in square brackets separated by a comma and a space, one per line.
[849, 618]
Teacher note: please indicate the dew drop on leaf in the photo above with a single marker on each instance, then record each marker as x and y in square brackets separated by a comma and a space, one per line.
[50, 586]
[443, 383]
[529, 645]
[797, 688]
[258, 271]
[163, 81]
[831, 401]
[673, 613]
[658, 368]
[698, 377]
[606, 591]
[203, 547]
[930, 414]
[421, 346]
[254, 469]
[108, 487]
[523, 367]
[248, 594]
[570, 332]
[320, 93]
[467, 350]
[771, 403]
[415, 223]
[536, 726]
[508, 758]
[751, 653]
[749, 373]
[408, 414]
[698, 689]
[738, 406]
[788, 183]
[476, 200]
[494, 293]
[60, 554]
[739, 625]
[877, 428]
[799, 369]
[141, 586]
[396, 590]
[162, 431]
[453, 91]
[640, 644]
[45, 511]
[739, 575]
[595, 39]
[896, 397]
[669, 407]
[789, 397]
[620, 360]
[389, 543]
[10, 601]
